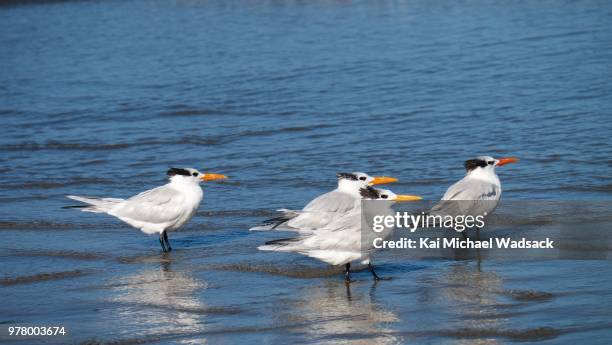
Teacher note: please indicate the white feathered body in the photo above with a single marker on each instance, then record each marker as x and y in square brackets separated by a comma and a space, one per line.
[338, 242]
[478, 193]
[320, 211]
[167, 207]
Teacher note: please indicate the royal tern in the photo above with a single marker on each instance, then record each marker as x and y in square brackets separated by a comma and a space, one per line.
[325, 208]
[158, 210]
[478, 192]
[340, 241]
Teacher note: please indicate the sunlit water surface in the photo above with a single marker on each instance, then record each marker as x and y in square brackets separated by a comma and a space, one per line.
[100, 98]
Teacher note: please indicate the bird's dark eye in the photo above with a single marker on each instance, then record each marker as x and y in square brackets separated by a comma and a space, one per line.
[362, 178]
[490, 162]
[195, 174]
[384, 196]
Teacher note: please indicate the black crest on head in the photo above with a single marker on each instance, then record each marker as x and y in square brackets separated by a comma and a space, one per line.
[177, 171]
[472, 164]
[347, 176]
[369, 193]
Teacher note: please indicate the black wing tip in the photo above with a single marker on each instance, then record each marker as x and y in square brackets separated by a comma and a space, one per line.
[282, 241]
[277, 221]
[75, 206]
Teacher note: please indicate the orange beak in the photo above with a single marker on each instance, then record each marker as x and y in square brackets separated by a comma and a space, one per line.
[382, 180]
[507, 160]
[212, 177]
[401, 198]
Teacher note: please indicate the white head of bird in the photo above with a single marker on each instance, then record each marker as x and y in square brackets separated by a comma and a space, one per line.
[352, 182]
[483, 167]
[191, 176]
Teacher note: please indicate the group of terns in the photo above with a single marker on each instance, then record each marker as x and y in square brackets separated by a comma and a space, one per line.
[328, 228]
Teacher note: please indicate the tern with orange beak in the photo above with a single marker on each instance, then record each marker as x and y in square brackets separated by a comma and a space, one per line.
[480, 186]
[342, 240]
[325, 208]
[158, 210]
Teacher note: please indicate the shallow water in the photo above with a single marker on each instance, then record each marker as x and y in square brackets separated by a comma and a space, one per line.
[100, 98]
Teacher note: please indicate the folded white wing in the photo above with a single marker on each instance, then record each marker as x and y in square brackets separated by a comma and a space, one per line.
[321, 211]
[468, 197]
[153, 210]
[472, 189]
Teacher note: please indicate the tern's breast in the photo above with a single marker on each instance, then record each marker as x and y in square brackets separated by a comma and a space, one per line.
[190, 201]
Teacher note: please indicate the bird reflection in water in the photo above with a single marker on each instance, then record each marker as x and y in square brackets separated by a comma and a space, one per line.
[347, 314]
[470, 300]
[158, 301]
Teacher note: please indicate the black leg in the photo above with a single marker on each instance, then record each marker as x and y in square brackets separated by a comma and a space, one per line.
[376, 277]
[166, 240]
[162, 242]
[347, 273]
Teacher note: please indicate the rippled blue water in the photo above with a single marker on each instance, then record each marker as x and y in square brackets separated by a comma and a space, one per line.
[100, 98]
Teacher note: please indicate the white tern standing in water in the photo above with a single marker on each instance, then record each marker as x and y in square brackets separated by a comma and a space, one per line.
[158, 210]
